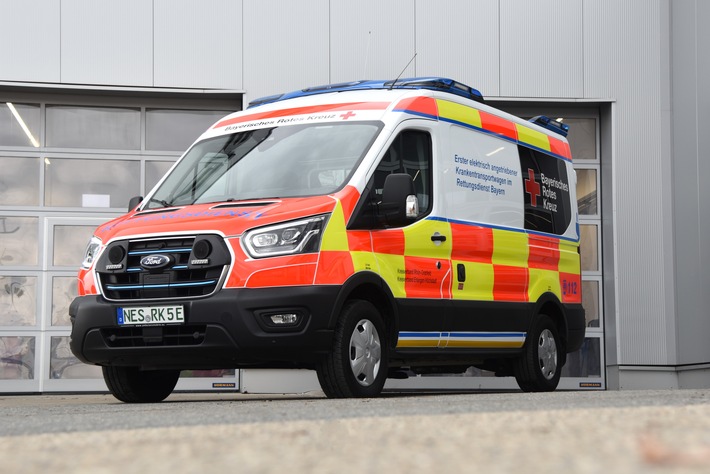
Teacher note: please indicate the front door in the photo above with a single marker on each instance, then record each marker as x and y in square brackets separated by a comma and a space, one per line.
[415, 259]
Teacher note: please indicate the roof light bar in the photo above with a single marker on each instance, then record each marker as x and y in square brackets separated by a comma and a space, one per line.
[552, 125]
[265, 100]
[430, 83]
[439, 84]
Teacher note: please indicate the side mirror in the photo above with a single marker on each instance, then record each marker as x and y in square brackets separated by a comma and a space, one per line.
[133, 203]
[399, 202]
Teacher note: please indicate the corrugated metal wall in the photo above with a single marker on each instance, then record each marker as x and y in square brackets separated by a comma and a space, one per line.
[26, 55]
[460, 42]
[183, 30]
[285, 45]
[541, 49]
[371, 39]
[112, 44]
[623, 61]
[547, 49]
[691, 173]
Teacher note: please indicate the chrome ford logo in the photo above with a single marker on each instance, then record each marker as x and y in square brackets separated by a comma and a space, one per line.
[152, 262]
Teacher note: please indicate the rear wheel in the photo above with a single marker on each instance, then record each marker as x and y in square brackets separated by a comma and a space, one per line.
[132, 385]
[539, 366]
[357, 365]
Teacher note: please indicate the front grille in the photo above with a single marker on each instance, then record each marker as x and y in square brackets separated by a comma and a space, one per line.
[191, 335]
[181, 275]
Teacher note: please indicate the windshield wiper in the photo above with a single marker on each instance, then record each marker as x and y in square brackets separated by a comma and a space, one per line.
[161, 202]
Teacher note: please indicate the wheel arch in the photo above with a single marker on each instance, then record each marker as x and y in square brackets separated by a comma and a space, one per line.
[369, 286]
[550, 305]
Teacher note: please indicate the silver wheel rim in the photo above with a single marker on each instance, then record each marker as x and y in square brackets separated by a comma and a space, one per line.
[365, 352]
[547, 354]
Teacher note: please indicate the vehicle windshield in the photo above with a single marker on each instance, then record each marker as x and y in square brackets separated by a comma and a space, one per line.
[279, 162]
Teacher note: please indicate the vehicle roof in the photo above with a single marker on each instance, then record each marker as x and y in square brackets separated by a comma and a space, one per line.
[370, 100]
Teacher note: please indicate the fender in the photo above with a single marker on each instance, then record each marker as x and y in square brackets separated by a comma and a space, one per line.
[560, 316]
[369, 286]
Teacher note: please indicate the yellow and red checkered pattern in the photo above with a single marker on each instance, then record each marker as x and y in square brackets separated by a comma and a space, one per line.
[500, 265]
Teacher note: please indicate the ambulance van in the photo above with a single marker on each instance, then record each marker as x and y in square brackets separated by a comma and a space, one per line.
[365, 230]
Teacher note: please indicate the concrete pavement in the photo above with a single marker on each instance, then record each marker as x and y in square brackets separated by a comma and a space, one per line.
[561, 432]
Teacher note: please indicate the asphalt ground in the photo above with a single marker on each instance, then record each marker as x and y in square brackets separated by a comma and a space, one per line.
[560, 432]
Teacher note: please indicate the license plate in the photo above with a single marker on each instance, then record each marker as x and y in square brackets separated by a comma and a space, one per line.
[151, 315]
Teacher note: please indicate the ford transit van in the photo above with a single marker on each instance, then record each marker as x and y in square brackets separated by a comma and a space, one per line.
[362, 230]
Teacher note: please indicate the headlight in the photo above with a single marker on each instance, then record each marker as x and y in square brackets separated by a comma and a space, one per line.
[302, 236]
[92, 250]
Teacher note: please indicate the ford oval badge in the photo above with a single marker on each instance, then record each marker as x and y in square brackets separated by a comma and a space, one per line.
[155, 262]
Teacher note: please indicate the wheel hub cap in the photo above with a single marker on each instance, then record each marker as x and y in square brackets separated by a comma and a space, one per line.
[365, 352]
[547, 354]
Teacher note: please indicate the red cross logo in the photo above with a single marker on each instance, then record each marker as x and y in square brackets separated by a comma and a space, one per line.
[347, 115]
[532, 187]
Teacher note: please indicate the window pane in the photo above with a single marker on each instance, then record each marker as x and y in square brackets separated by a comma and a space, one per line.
[90, 183]
[63, 364]
[467, 183]
[18, 240]
[232, 166]
[587, 191]
[547, 208]
[588, 247]
[12, 118]
[64, 290]
[154, 171]
[582, 138]
[70, 243]
[93, 127]
[410, 152]
[590, 302]
[18, 300]
[19, 181]
[586, 362]
[175, 130]
[17, 357]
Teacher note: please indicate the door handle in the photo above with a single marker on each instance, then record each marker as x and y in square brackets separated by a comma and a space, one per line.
[437, 237]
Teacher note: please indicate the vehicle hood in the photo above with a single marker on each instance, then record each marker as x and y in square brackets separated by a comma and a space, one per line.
[227, 218]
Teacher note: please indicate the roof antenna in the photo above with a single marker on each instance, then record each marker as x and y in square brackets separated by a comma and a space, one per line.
[400, 74]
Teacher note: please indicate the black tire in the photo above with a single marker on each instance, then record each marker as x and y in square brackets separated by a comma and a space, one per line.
[357, 365]
[132, 385]
[539, 366]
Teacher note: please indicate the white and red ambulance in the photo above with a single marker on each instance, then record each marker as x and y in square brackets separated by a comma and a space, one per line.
[362, 230]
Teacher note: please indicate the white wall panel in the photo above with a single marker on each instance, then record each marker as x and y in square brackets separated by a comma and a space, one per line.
[285, 46]
[198, 43]
[107, 42]
[29, 41]
[691, 173]
[371, 39]
[623, 60]
[541, 48]
[701, 323]
[460, 41]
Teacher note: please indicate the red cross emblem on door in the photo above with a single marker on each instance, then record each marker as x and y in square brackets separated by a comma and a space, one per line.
[532, 187]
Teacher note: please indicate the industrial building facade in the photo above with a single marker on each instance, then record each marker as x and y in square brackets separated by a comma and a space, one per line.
[99, 98]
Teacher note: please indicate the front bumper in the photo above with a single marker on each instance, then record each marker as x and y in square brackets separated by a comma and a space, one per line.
[229, 329]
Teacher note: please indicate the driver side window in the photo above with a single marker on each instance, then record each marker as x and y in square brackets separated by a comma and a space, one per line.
[411, 153]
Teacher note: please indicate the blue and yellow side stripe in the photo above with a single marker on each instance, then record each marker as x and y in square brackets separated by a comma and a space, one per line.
[493, 340]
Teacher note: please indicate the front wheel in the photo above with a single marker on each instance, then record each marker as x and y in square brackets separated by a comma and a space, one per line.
[132, 385]
[539, 366]
[357, 364]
